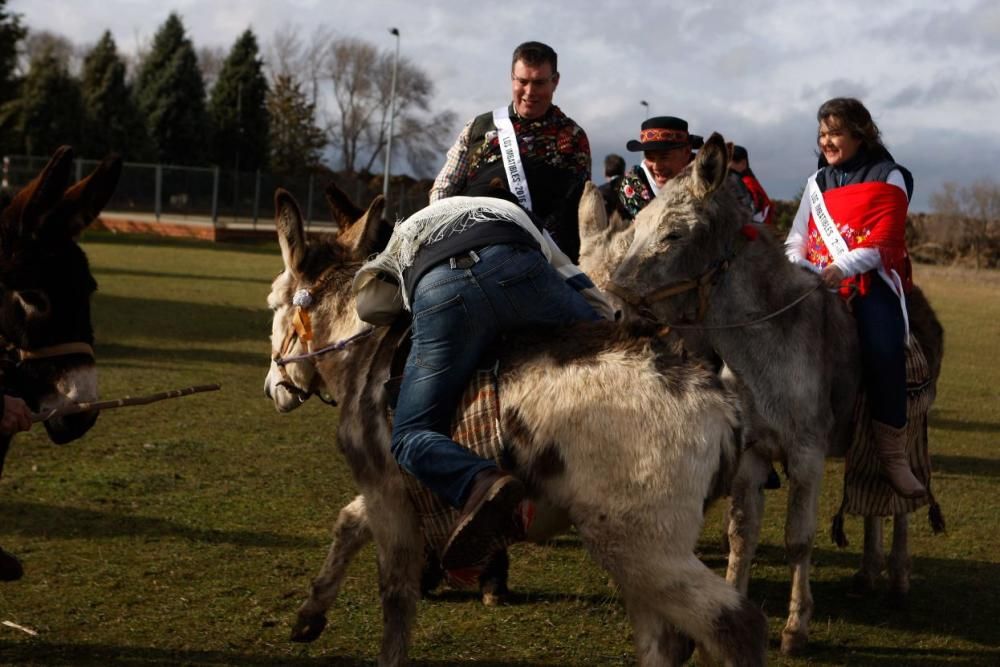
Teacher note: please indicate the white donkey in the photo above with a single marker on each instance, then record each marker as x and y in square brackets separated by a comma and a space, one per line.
[627, 440]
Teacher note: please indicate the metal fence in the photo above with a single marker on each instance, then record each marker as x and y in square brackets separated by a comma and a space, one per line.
[226, 198]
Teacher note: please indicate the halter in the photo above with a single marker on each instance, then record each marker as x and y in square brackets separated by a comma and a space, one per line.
[703, 283]
[301, 329]
[50, 351]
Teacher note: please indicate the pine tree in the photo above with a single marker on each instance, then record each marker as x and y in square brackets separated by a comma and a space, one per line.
[170, 95]
[11, 33]
[296, 142]
[112, 119]
[238, 109]
[50, 108]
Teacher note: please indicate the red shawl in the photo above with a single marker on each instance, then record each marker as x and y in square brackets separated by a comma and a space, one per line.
[868, 215]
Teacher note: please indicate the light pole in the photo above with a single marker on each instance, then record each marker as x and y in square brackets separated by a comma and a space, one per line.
[645, 104]
[392, 118]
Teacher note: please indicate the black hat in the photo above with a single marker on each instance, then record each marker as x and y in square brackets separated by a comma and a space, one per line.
[697, 141]
[661, 134]
[740, 154]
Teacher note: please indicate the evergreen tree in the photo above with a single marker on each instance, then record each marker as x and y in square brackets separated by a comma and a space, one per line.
[50, 110]
[296, 142]
[238, 109]
[11, 34]
[112, 119]
[170, 95]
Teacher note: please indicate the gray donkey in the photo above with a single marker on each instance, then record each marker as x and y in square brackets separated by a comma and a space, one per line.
[798, 373]
[628, 441]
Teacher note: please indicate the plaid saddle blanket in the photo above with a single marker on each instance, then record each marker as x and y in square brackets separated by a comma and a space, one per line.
[477, 427]
[866, 493]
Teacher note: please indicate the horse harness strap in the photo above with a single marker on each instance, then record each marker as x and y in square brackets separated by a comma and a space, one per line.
[702, 283]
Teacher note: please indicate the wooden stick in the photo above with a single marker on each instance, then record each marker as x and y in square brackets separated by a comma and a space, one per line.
[121, 402]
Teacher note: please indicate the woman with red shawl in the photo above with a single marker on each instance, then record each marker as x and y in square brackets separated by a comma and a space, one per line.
[849, 229]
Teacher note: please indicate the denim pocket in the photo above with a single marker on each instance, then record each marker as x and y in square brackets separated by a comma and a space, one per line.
[437, 332]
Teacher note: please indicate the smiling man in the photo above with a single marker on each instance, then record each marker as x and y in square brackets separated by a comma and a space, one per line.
[552, 161]
[666, 149]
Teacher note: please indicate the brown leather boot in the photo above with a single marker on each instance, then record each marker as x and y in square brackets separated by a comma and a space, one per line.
[891, 443]
[487, 521]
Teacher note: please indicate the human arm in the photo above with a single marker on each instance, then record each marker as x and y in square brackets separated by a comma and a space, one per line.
[576, 278]
[795, 242]
[16, 415]
[453, 175]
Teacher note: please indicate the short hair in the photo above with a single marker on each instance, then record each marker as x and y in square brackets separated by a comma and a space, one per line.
[855, 118]
[535, 54]
[614, 165]
[740, 154]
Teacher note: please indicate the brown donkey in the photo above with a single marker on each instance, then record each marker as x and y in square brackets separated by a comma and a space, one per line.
[45, 289]
[628, 441]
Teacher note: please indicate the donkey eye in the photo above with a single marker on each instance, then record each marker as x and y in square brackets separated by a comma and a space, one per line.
[673, 236]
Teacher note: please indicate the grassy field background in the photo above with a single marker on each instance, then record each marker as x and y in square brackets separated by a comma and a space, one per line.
[187, 532]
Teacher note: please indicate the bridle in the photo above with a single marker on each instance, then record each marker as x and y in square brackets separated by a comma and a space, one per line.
[50, 351]
[301, 330]
[703, 284]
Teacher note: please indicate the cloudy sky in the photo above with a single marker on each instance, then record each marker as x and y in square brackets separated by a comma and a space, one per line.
[754, 70]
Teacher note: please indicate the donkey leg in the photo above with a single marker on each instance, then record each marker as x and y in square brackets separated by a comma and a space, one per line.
[805, 474]
[400, 547]
[350, 533]
[873, 557]
[493, 580]
[681, 595]
[899, 560]
[745, 512]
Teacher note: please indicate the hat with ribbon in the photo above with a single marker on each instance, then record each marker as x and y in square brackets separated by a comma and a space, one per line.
[661, 134]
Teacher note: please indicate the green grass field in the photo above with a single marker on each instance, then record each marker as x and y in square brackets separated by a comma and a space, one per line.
[186, 532]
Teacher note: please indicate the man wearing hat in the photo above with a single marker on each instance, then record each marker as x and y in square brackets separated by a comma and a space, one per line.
[666, 147]
[548, 171]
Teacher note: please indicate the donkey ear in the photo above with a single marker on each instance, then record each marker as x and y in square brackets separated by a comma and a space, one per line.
[591, 213]
[710, 167]
[343, 209]
[369, 228]
[291, 237]
[43, 192]
[89, 197]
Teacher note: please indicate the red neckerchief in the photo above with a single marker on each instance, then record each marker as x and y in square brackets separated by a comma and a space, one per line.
[868, 215]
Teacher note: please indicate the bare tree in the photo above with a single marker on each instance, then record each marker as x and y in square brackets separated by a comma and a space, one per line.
[362, 79]
[976, 208]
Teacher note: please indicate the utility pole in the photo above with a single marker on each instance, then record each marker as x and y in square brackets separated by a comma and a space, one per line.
[392, 118]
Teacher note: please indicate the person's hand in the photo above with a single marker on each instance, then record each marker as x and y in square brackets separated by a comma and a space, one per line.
[16, 416]
[832, 276]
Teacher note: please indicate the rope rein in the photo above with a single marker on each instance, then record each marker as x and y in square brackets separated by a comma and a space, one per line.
[739, 325]
[332, 347]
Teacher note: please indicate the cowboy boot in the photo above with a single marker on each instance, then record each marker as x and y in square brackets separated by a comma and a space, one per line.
[891, 444]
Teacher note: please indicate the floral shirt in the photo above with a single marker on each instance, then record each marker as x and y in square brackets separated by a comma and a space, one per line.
[634, 191]
[554, 139]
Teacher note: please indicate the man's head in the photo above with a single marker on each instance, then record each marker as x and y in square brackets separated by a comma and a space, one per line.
[614, 165]
[665, 145]
[534, 76]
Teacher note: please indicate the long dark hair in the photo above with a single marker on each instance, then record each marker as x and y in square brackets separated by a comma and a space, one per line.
[854, 117]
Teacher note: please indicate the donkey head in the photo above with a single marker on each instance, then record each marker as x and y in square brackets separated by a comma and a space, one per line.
[682, 233]
[45, 289]
[311, 298]
[604, 239]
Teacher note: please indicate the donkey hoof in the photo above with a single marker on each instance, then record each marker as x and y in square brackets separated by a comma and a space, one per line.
[793, 643]
[308, 627]
[10, 567]
[494, 599]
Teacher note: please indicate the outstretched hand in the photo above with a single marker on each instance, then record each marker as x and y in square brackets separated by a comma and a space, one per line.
[16, 416]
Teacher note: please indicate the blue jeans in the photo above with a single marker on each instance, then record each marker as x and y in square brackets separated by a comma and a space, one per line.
[883, 352]
[457, 315]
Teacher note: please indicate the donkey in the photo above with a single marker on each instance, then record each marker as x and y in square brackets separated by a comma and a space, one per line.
[797, 373]
[629, 442]
[45, 289]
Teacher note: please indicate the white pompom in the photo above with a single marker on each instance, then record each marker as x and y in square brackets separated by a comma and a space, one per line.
[302, 298]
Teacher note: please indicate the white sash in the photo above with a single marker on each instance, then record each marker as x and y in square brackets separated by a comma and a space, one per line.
[827, 228]
[511, 155]
[835, 243]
